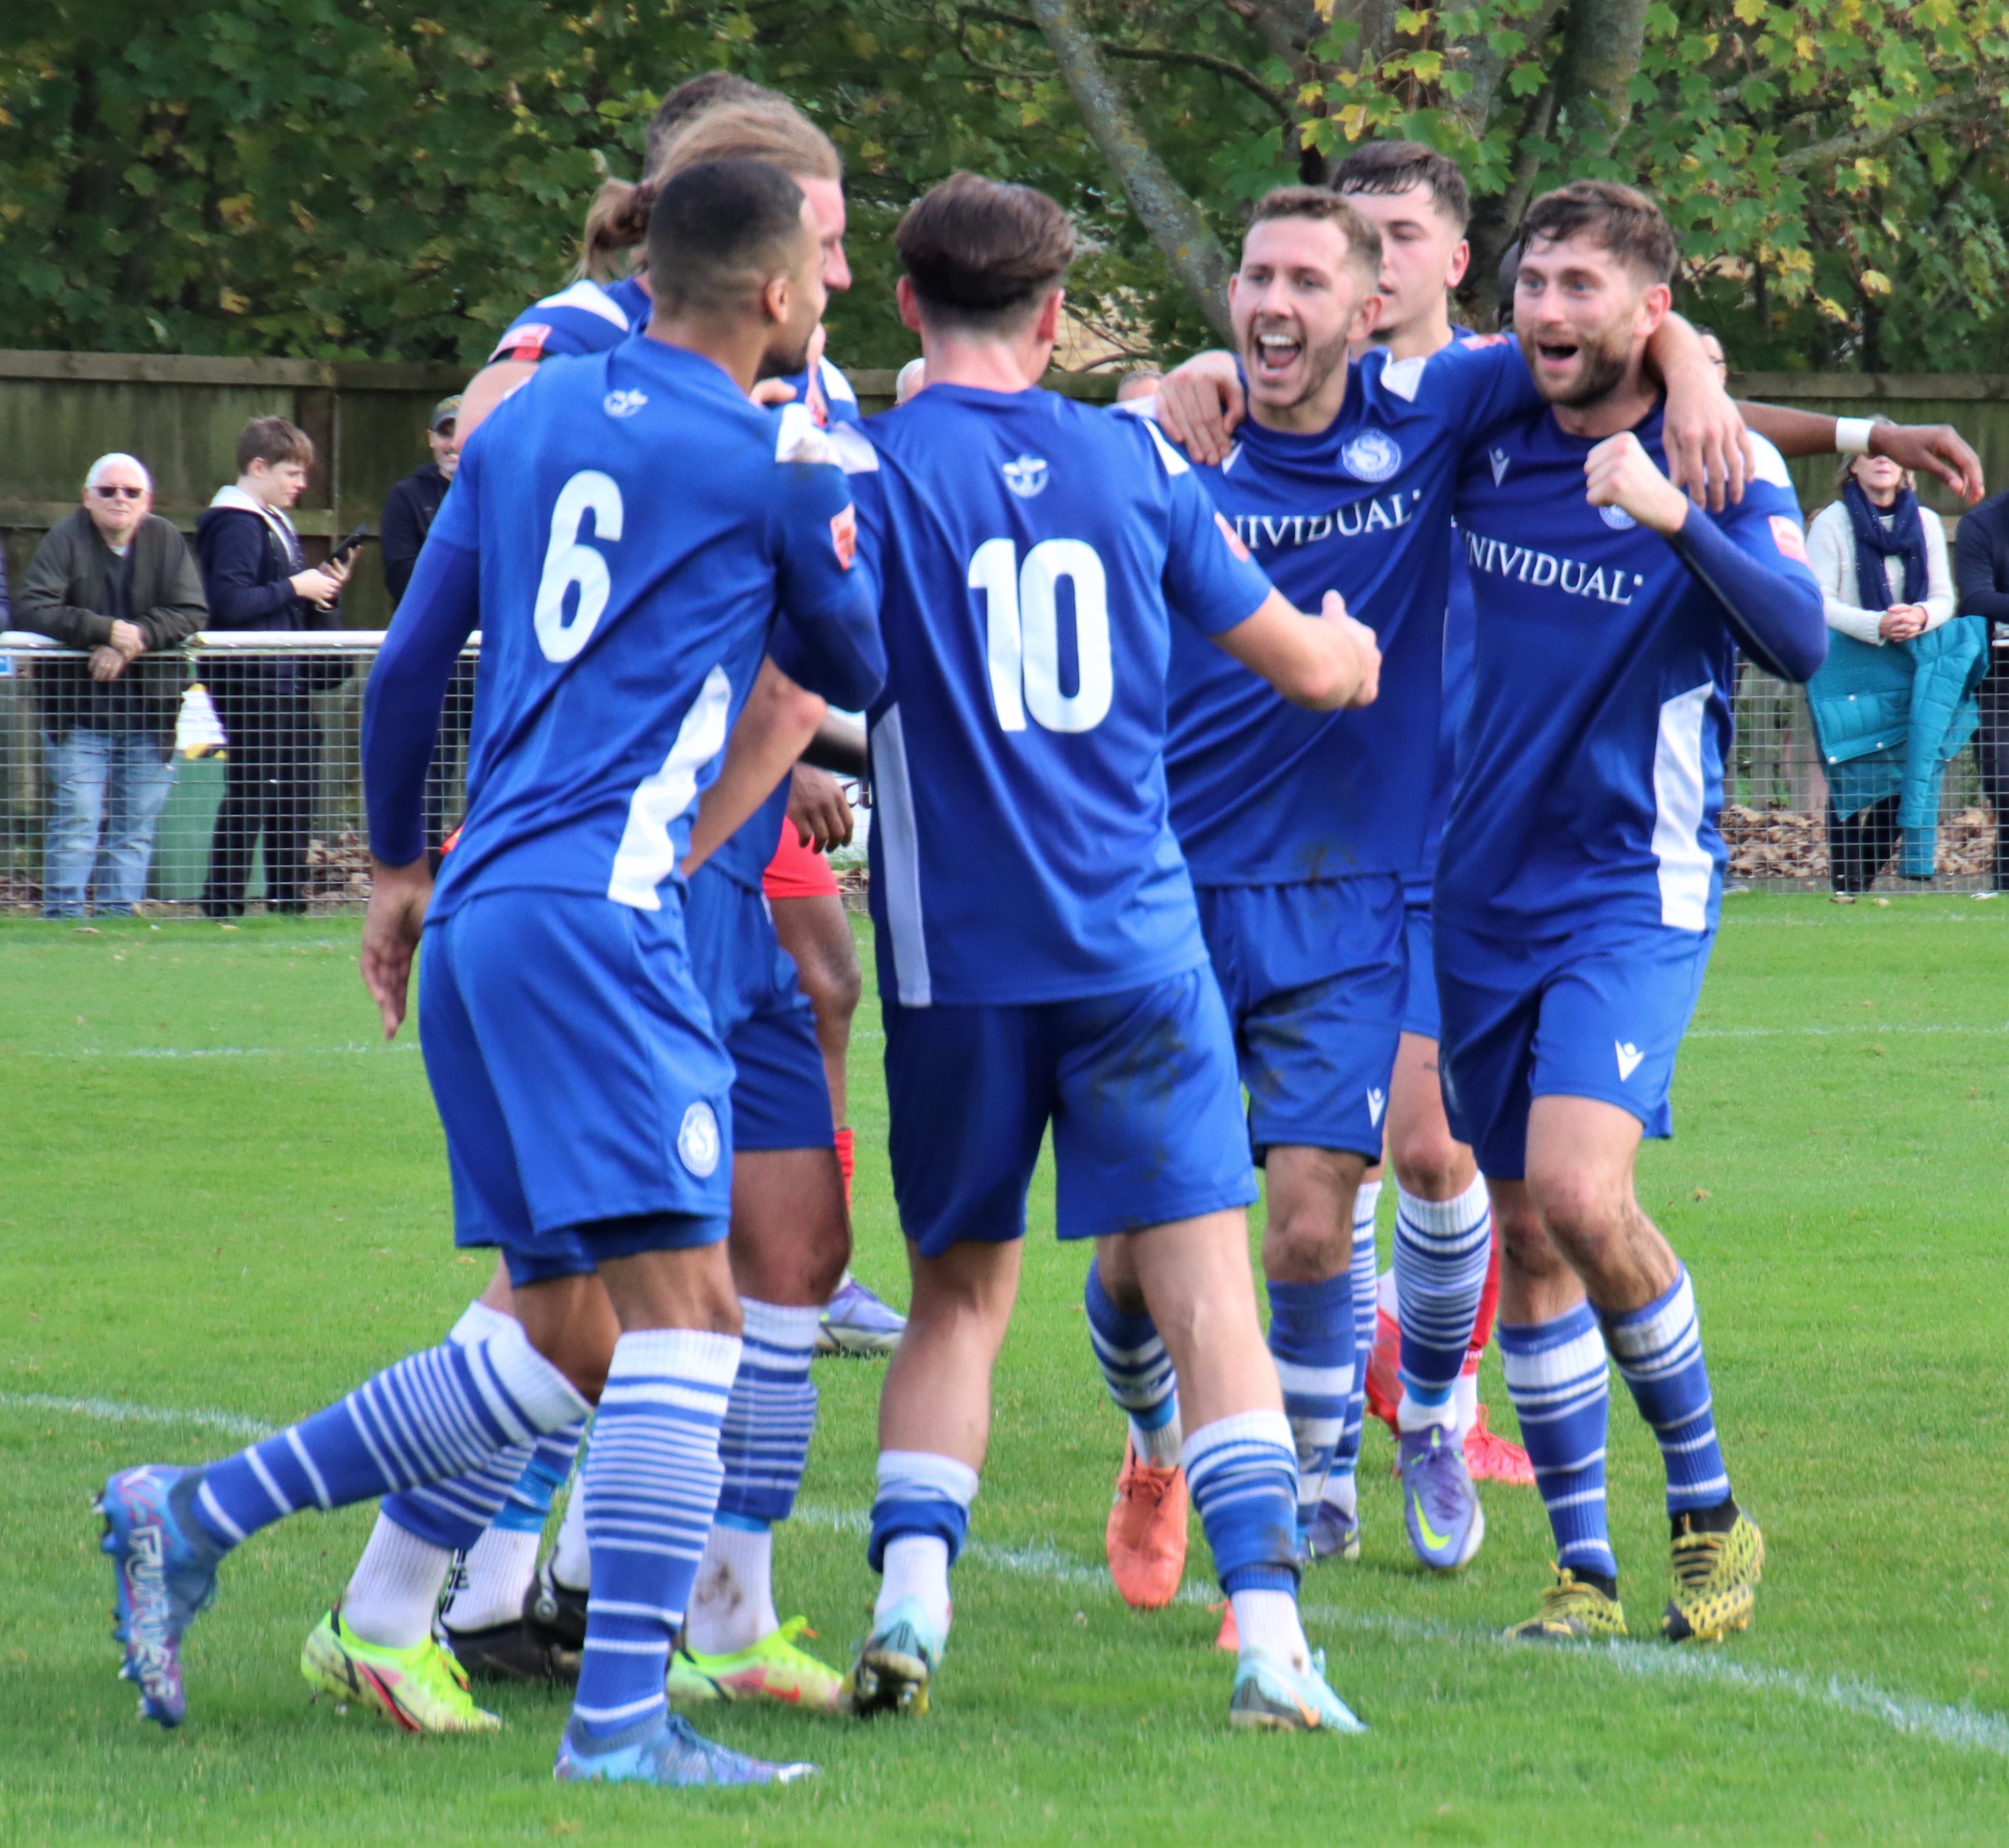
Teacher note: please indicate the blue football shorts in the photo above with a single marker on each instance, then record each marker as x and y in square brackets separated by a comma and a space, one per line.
[1420, 1013]
[1597, 1013]
[781, 1092]
[583, 1092]
[1313, 974]
[1140, 1087]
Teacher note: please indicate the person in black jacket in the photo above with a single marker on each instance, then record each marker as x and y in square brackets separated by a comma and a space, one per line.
[1980, 575]
[407, 517]
[117, 584]
[255, 578]
[410, 506]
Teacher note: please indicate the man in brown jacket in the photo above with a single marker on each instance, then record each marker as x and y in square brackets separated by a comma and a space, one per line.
[118, 584]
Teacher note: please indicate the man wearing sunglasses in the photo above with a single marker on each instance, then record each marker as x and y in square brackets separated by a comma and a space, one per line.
[118, 584]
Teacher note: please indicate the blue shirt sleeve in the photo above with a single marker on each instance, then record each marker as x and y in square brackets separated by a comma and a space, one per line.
[401, 705]
[1752, 559]
[828, 638]
[1473, 385]
[1210, 579]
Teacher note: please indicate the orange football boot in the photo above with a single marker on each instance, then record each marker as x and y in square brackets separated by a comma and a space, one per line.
[1147, 1531]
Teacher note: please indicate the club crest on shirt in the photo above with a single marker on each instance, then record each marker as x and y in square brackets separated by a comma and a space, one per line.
[697, 1141]
[1026, 476]
[1372, 455]
[623, 404]
[1616, 518]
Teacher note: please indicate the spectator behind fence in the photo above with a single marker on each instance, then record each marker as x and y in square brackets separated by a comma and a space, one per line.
[410, 506]
[1981, 572]
[1895, 700]
[116, 582]
[255, 578]
[407, 517]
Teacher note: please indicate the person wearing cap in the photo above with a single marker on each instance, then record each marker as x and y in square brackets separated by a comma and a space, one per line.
[410, 506]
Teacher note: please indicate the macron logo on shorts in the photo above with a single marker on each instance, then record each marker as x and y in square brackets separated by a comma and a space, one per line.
[1376, 1100]
[1629, 1056]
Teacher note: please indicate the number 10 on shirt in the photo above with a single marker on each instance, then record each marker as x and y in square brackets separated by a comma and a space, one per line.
[1022, 632]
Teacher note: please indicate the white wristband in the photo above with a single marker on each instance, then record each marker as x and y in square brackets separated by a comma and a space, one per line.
[1851, 435]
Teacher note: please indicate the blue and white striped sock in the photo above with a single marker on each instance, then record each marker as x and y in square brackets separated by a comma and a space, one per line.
[1138, 1372]
[1365, 1271]
[765, 1444]
[651, 1485]
[1242, 1471]
[1443, 1249]
[1559, 1379]
[920, 1517]
[1311, 1339]
[441, 1413]
[1659, 1352]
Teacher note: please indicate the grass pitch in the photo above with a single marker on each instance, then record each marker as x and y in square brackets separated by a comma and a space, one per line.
[223, 1203]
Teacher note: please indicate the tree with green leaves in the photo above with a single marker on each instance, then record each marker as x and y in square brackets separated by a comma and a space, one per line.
[389, 179]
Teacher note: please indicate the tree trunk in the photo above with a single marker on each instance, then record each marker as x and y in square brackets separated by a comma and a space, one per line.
[1602, 43]
[1167, 211]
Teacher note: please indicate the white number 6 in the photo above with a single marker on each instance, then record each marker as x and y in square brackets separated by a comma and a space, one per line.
[567, 560]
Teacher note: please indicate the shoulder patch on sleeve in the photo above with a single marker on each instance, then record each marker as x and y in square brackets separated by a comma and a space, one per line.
[1404, 377]
[526, 340]
[1786, 536]
[1771, 465]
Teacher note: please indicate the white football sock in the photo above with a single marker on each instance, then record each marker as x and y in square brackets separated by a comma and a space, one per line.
[1342, 1492]
[396, 1587]
[572, 1565]
[1162, 1445]
[493, 1578]
[1465, 1396]
[732, 1604]
[1268, 1621]
[916, 1566]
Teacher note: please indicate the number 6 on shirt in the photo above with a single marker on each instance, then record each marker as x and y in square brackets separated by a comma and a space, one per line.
[568, 561]
[1022, 606]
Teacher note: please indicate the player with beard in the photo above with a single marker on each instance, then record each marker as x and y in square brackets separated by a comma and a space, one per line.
[1300, 830]
[1581, 876]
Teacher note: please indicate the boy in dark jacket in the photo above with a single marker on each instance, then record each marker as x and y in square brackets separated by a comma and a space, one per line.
[117, 583]
[255, 578]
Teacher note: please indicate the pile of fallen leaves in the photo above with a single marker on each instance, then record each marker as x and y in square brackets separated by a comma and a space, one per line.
[338, 873]
[1783, 847]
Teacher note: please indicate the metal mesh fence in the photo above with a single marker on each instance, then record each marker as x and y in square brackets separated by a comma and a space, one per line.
[233, 782]
[254, 784]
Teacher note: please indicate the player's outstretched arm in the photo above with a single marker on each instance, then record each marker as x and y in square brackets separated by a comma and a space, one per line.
[1199, 404]
[1326, 662]
[1709, 449]
[1925, 448]
[1775, 613]
[779, 720]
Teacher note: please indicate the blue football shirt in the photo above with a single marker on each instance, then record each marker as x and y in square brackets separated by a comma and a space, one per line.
[592, 317]
[1032, 552]
[1262, 792]
[636, 536]
[1590, 771]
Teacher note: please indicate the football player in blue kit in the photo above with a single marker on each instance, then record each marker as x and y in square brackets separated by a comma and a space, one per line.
[506, 1618]
[1302, 831]
[1040, 955]
[582, 1089]
[1580, 878]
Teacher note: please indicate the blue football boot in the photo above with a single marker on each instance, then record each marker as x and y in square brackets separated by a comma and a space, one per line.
[1271, 1696]
[165, 1572]
[896, 1663]
[663, 1749]
[856, 1321]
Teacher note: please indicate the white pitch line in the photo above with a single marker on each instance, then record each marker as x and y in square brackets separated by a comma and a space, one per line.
[1971, 1728]
[215, 1051]
[1967, 1727]
[1867, 1027]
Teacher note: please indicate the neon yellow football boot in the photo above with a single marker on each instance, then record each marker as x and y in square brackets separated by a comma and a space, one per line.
[419, 1689]
[1716, 1581]
[1572, 1611]
[772, 1670]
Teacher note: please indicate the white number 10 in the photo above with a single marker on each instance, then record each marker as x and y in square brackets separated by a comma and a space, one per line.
[1022, 631]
